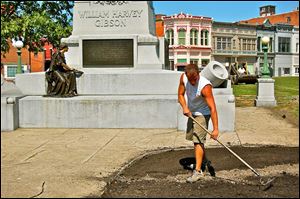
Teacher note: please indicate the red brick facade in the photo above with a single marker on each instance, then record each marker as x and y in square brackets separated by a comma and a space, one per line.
[35, 62]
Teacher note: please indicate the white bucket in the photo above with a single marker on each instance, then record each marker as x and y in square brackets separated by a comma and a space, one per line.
[215, 72]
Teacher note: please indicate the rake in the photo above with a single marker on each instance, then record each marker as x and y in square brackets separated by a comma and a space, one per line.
[265, 183]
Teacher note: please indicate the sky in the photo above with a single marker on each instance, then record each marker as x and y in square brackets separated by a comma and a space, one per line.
[224, 11]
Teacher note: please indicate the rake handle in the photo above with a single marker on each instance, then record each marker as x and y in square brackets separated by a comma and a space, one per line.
[233, 153]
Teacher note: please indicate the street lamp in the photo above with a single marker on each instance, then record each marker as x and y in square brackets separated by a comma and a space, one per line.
[265, 70]
[265, 85]
[19, 45]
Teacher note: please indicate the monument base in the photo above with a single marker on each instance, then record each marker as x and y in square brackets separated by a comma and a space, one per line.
[126, 111]
[265, 93]
[124, 98]
[109, 82]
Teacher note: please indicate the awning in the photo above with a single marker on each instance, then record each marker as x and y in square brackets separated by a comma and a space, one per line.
[181, 64]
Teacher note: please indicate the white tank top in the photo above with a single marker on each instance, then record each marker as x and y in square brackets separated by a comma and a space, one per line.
[195, 100]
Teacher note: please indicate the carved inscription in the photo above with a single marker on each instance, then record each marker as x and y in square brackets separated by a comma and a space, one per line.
[110, 2]
[111, 17]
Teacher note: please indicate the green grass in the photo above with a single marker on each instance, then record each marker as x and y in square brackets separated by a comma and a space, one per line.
[286, 94]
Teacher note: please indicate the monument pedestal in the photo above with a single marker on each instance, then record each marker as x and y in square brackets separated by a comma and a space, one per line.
[123, 99]
[124, 111]
[265, 93]
[108, 98]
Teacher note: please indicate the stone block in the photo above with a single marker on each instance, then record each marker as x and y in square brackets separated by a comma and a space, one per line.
[9, 113]
[130, 111]
[265, 93]
[109, 82]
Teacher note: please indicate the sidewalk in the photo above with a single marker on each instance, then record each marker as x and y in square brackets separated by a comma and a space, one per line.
[78, 162]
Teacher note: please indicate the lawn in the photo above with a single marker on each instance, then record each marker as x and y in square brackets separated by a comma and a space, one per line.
[286, 95]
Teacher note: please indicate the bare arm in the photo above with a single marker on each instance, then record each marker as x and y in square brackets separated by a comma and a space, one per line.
[209, 98]
[181, 99]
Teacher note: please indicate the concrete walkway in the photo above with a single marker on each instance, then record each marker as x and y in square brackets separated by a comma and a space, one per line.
[78, 162]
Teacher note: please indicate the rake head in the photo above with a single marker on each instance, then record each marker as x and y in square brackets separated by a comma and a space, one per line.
[266, 184]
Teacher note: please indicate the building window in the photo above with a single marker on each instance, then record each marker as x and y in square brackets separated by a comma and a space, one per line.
[180, 68]
[204, 37]
[297, 70]
[288, 19]
[284, 44]
[270, 45]
[233, 44]
[172, 64]
[286, 71]
[204, 62]
[181, 36]
[11, 71]
[258, 44]
[297, 47]
[170, 36]
[194, 37]
[223, 43]
[194, 61]
[249, 45]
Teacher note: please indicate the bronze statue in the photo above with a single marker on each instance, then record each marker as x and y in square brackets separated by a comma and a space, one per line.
[61, 78]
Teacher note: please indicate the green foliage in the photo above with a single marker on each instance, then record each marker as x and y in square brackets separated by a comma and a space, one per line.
[34, 19]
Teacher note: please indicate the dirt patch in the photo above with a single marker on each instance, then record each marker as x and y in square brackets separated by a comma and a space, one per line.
[164, 174]
[288, 114]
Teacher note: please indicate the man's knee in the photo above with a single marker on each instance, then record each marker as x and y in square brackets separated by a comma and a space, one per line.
[199, 145]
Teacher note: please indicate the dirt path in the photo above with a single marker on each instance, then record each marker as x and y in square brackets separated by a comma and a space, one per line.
[163, 175]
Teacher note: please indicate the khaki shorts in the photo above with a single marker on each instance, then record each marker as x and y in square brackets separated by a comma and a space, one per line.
[194, 132]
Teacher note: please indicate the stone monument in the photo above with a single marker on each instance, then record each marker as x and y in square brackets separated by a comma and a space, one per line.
[123, 85]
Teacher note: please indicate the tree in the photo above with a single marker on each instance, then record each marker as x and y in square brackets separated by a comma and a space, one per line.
[32, 20]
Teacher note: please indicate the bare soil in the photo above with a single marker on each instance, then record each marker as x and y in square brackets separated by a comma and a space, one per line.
[164, 174]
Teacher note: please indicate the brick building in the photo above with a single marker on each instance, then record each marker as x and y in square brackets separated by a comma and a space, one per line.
[31, 62]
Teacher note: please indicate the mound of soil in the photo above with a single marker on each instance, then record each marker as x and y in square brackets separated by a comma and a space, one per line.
[164, 174]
